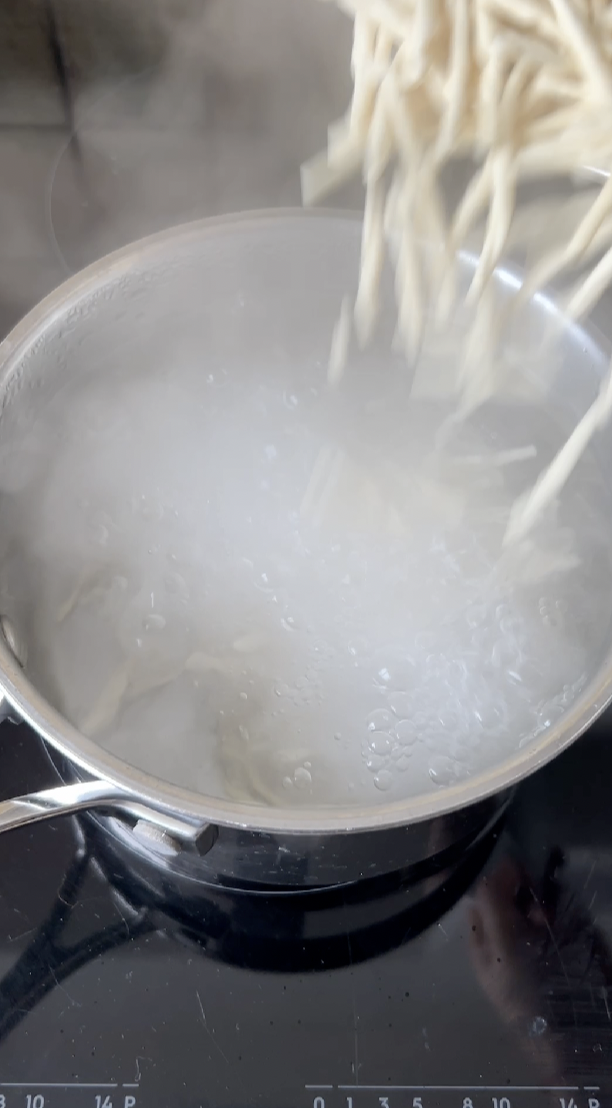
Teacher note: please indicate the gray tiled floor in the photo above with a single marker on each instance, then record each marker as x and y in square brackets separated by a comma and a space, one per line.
[183, 110]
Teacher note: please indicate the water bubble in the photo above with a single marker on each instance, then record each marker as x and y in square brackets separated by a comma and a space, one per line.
[383, 780]
[547, 715]
[552, 612]
[381, 719]
[445, 771]
[538, 1026]
[400, 703]
[578, 684]
[379, 742]
[302, 778]
[406, 733]
[395, 669]
[450, 721]
[374, 762]
[490, 717]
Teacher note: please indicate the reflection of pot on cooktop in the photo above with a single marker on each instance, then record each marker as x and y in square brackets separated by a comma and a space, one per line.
[292, 932]
[288, 930]
[107, 975]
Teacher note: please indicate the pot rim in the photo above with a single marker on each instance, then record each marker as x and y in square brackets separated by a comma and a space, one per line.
[54, 729]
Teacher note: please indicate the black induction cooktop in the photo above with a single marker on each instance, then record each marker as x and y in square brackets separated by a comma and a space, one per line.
[492, 988]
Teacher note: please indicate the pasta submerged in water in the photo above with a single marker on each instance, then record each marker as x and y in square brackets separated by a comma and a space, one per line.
[525, 88]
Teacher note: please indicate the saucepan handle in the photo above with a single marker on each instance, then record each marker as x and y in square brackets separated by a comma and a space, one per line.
[67, 799]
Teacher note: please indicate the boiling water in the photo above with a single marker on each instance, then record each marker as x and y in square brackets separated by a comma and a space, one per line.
[251, 586]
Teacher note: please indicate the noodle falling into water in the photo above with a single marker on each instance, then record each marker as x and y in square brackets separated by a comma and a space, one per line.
[522, 87]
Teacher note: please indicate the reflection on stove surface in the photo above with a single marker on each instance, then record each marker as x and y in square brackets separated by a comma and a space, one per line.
[494, 974]
[305, 932]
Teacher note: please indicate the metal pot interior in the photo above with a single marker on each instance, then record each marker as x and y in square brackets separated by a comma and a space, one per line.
[165, 368]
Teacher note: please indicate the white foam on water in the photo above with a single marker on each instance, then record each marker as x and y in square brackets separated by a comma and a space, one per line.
[271, 594]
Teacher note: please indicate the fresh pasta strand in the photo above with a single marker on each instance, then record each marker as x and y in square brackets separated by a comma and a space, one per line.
[524, 89]
[528, 509]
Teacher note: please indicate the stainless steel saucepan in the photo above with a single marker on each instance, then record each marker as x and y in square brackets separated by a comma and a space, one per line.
[270, 283]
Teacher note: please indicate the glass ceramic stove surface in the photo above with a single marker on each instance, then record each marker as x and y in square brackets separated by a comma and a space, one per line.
[491, 987]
